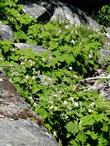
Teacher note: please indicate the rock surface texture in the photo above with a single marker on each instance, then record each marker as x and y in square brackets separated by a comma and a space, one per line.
[104, 58]
[5, 32]
[46, 11]
[36, 49]
[19, 125]
[105, 51]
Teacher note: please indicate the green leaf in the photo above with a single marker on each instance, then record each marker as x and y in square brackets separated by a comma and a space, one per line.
[105, 128]
[81, 137]
[108, 69]
[87, 120]
[20, 35]
[102, 141]
[74, 143]
[72, 127]
[42, 112]
[92, 134]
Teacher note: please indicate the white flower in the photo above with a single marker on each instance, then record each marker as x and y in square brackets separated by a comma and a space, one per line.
[12, 49]
[26, 77]
[73, 41]
[22, 63]
[33, 77]
[66, 117]
[71, 98]
[50, 102]
[43, 59]
[15, 73]
[55, 95]
[65, 102]
[75, 103]
[30, 98]
[67, 26]
[90, 110]
[54, 133]
[70, 68]
[22, 57]
[31, 62]
[90, 56]
[51, 107]
[92, 104]
[59, 31]
[45, 83]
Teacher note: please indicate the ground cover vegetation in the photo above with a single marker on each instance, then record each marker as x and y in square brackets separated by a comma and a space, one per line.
[50, 81]
[103, 15]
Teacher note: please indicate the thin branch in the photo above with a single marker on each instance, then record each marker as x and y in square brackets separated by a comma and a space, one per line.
[96, 78]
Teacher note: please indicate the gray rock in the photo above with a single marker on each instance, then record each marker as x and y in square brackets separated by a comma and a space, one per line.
[104, 55]
[62, 12]
[106, 45]
[65, 14]
[102, 87]
[5, 32]
[36, 49]
[74, 16]
[23, 133]
[93, 24]
[108, 33]
[16, 125]
[34, 10]
[105, 52]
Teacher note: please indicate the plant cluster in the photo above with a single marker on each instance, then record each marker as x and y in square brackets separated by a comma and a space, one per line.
[50, 81]
[103, 15]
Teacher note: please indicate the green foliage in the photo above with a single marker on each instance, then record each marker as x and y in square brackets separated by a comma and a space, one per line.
[103, 15]
[70, 43]
[12, 14]
[50, 81]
